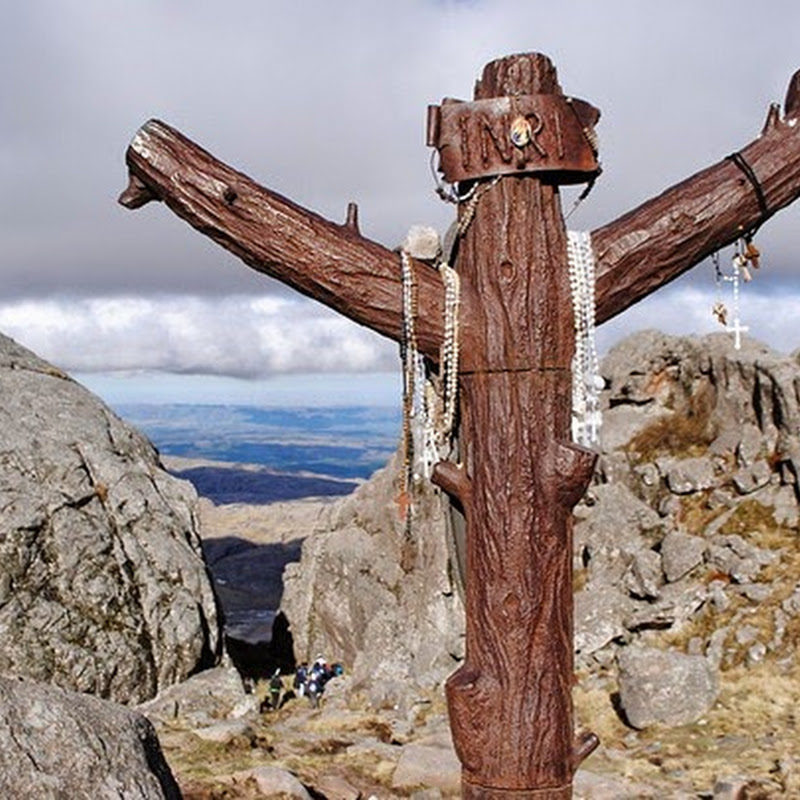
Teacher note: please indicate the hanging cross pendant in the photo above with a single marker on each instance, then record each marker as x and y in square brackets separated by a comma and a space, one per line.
[737, 329]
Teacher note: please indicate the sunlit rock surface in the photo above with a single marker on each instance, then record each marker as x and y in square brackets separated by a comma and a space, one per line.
[103, 587]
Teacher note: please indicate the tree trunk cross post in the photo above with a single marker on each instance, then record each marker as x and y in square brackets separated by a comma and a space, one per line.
[510, 704]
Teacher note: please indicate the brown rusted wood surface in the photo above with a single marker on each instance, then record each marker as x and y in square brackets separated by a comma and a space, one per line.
[550, 134]
[331, 263]
[667, 235]
[510, 703]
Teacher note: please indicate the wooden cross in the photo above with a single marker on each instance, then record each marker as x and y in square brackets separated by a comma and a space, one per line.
[510, 702]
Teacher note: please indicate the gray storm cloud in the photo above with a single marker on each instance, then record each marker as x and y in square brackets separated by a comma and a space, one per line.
[325, 103]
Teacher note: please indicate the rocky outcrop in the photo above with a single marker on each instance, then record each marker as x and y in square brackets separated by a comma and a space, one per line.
[684, 543]
[202, 700]
[103, 587]
[699, 414]
[55, 743]
[381, 599]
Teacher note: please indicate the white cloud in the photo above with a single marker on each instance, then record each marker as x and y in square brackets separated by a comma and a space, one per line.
[235, 336]
[770, 313]
[265, 336]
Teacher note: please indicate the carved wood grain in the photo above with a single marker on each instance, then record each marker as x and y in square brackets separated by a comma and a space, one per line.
[510, 703]
[332, 263]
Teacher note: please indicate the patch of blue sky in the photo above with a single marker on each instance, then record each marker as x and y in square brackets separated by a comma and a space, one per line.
[378, 389]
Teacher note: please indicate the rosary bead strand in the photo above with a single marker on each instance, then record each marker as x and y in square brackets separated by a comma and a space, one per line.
[586, 379]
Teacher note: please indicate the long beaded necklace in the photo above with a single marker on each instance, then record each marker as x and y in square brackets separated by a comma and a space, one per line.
[449, 351]
[437, 409]
[586, 379]
[434, 411]
[411, 367]
[745, 253]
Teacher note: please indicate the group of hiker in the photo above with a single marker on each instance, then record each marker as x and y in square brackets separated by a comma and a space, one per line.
[309, 681]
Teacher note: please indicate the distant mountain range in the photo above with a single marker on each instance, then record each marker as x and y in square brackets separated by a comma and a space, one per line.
[346, 444]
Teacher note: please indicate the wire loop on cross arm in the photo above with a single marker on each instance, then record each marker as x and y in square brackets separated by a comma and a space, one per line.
[741, 162]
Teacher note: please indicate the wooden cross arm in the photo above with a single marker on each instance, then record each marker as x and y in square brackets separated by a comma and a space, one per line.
[636, 254]
[667, 235]
[332, 263]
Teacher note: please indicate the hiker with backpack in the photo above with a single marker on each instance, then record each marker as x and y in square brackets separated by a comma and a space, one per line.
[275, 690]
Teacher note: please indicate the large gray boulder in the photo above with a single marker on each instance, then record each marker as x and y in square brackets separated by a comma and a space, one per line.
[664, 688]
[55, 743]
[270, 781]
[103, 587]
[431, 762]
[202, 700]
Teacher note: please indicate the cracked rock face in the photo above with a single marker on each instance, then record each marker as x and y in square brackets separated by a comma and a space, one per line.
[664, 688]
[103, 587]
[384, 603]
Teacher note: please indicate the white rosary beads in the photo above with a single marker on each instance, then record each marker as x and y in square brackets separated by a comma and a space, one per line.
[430, 437]
[412, 368]
[448, 358]
[746, 253]
[586, 378]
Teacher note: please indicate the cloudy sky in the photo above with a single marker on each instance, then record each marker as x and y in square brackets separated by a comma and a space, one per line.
[325, 102]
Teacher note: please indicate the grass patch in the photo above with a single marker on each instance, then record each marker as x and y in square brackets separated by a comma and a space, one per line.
[752, 728]
[751, 517]
[328, 747]
[580, 577]
[196, 759]
[682, 434]
[595, 711]
[695, 515]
